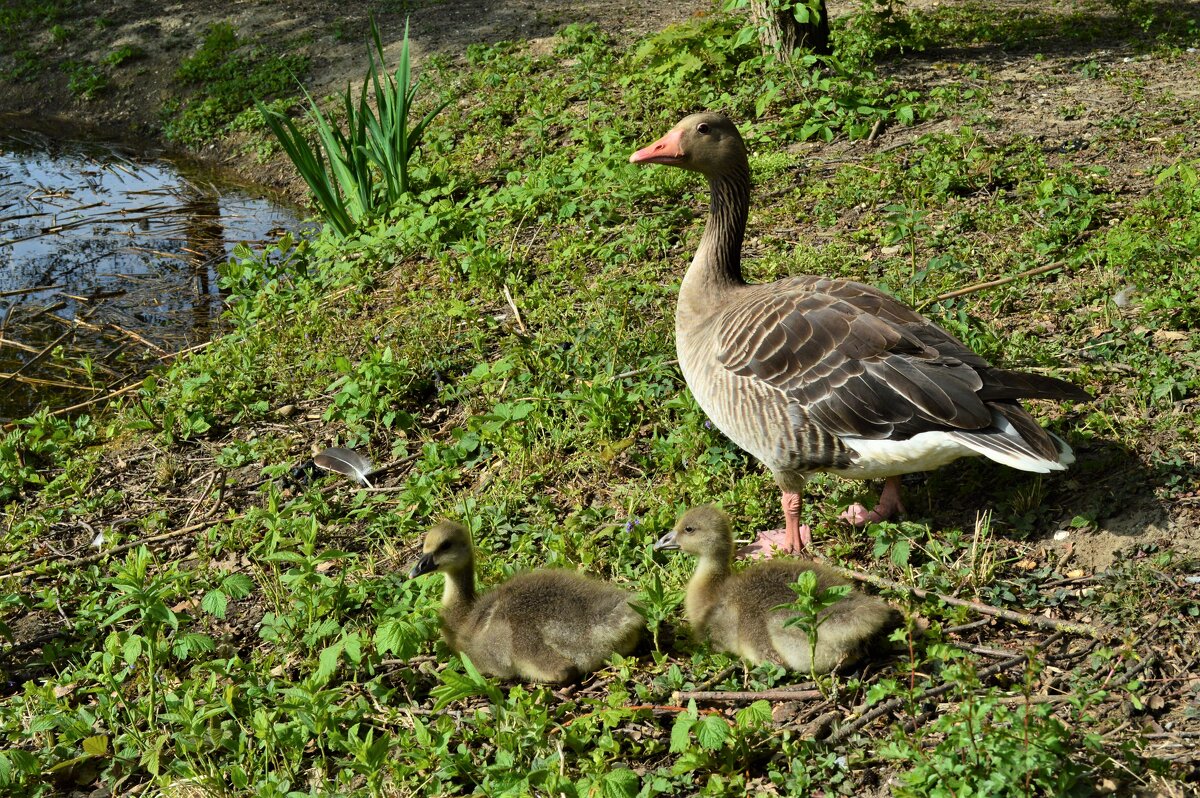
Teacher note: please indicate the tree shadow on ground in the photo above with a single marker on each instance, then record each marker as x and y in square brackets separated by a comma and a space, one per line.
[989, 32]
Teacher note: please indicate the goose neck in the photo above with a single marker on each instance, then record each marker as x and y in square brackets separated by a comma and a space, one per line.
[458, 594]
[718, 261]
[703, 588]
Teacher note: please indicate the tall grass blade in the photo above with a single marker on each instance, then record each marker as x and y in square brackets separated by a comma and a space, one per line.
[345, 172]
[311, 166]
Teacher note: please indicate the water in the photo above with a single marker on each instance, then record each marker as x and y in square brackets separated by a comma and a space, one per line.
[108, 265]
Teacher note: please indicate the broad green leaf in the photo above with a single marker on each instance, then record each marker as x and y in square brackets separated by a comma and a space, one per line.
[353, 647]
[327, 661]
[215, 603]
[132, 649]
[620, 783]
[712, 731]
[237, 585]
[681, 733]
[757, 714]
[96, 745]
[391, 636]
[192, 643]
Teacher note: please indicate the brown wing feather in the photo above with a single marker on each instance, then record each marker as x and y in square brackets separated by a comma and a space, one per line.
[861, 363]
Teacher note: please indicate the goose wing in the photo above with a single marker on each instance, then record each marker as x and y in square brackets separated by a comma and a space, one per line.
[857, 361]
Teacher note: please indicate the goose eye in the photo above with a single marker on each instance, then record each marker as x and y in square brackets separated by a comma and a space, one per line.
[702, 128]
[446, 544]
[689, 529]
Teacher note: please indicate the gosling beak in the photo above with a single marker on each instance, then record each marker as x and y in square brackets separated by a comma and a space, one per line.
[423, 566]
[667, 541]
[668, 149]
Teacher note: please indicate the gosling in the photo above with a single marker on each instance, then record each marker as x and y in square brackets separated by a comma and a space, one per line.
[737, 612]
[541, 626]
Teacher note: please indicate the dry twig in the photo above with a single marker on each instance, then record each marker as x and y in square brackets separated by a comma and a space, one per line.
[1022, 618]
[732, 696]
[971, 289]
[125, 547]
[891, 705]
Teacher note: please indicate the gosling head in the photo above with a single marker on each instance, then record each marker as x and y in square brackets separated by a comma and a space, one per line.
[706, 142]
[447, 548]
[703, 531]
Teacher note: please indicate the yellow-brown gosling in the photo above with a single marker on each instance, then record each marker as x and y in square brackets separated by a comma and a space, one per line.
[544, 626]
[737, 611]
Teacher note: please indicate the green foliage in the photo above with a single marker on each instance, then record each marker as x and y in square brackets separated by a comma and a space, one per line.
[343, 171]
[39, 445]
[368, 392]
[989, 748]
[124, 54]
[227, 76]
[507, 331]
[84, 80]
[809, 606]
[715, 63]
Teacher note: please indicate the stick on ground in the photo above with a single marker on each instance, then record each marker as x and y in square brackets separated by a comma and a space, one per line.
[1022, 618]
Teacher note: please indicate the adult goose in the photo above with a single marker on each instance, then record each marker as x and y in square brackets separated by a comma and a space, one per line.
[544, 626]
[813, 374]
[740, 612]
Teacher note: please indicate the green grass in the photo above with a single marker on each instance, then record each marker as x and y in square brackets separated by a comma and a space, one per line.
[224, 77]
[276, 648]
[28, 26]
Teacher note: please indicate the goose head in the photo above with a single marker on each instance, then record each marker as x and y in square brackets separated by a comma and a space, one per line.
[703, 531]
[707, 143]
[447, 548]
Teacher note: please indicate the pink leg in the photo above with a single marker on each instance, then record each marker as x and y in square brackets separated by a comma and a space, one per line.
[792, 539]
[889, 505]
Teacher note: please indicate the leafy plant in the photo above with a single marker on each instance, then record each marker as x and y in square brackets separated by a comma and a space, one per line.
[124, 54]
[341, 171]
[85, 80]
[810, 606]
[369, 392]
[989, 748]
[228, 76]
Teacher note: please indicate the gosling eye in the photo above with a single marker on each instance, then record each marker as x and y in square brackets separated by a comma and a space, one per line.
[702, 128]
[446, 544]
[689, 528]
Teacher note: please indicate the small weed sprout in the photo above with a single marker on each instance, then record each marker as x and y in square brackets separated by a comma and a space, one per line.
[809, 606]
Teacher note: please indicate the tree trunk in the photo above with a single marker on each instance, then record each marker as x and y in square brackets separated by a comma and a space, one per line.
[783, 34]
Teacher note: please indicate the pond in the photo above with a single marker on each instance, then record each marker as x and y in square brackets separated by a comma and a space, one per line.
[108, 265]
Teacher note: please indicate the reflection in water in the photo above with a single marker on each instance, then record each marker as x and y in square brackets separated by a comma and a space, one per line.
[107, 264]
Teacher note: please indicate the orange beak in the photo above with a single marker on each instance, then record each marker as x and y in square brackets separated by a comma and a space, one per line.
[667, 150]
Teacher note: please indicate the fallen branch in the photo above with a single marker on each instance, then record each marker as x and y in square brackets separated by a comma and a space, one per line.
[784, 694]
[876, 129]
[1022, 618]
[635, 372]
[111, 395]
[123, 547]
[892, 704]
[966, 627]
[32, 289]
[1186, 735]
[970, 289]
[719, 677]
